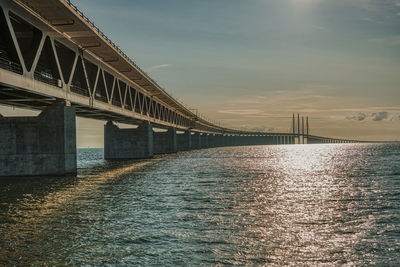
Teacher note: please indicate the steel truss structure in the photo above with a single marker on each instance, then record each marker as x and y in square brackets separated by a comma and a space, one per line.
[59, 54]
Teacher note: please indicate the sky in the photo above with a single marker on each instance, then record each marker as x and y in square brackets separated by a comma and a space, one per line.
[252, 63]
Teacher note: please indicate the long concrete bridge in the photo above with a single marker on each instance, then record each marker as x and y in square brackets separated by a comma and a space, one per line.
[54, 59]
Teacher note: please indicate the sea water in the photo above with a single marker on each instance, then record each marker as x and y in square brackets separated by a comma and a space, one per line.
[297, 205]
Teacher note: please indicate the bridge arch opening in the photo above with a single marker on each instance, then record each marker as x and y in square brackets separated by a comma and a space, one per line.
[157, 115]
[92, 73]
[28, 38]
[8, 54]
[46, 70]
[141, 102]
[128, 98]
[146, 106]
[66, 58]
[123, 93]
[134, 95]
[109, 82]
[79, 83]
[151, 107]
[100, 91]
[116, 95]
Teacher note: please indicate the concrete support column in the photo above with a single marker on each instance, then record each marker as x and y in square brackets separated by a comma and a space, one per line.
[254, 140]
[217, 140]
[196, 141]
[268, 140]
[311, 140]
[243, 140]
[128, 143]
[204, 140]
[211, 140]
[184, 141]
[42, 145]
[165, 142]
[231, 140]
[234, 140]
[225, 140]
[221, 140]
[238, 140]
[249, 140]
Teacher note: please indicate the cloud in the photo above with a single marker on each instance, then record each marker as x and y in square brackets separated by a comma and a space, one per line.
[241, 111]
[374, 116]
[357, 117]
[262, 129]
[396, 117]
[378, 116]
[156, 67]
[257, 129]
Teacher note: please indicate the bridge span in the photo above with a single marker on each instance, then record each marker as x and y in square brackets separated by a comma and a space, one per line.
[54, 59]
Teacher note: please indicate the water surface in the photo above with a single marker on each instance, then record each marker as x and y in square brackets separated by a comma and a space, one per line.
[326, 204]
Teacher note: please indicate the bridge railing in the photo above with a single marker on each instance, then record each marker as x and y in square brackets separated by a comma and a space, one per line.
[79, 90]
[106, 38]
[44, 75]
[101, 98]
[10, 65]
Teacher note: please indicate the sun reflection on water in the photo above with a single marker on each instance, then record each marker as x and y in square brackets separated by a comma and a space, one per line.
[305, 203]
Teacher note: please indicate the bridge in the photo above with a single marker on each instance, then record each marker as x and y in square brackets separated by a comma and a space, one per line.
[54, 59]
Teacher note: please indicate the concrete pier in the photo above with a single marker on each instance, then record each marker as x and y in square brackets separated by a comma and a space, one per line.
[204, 140]
[212, 140]
[42, 145]
[184, 141]
[225, 140]
[228, 140]
[165, 142]
[196, 141]
[128, 143]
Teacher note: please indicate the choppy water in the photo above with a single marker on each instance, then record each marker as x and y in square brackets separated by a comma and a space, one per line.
[262, 205]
